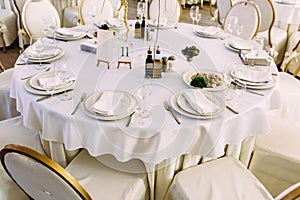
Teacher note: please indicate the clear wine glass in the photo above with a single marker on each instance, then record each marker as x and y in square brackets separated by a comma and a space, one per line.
[37, 45]
[257, 45]
[24, 56]
[65, 75]
[141, 6]
[142, 92]
[231, 24]
[198, 18]
[92, 16]
[240, 90]
[193, 12]
[228, 79]
[239, 29]
[52, 26]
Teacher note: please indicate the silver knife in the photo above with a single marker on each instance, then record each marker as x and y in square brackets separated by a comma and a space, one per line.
[49, 96]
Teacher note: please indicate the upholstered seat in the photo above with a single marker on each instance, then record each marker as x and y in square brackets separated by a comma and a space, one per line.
[84, 178]
[224, 178]
[13, 131]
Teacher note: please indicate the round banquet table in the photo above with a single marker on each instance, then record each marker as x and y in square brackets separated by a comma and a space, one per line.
[164, 146]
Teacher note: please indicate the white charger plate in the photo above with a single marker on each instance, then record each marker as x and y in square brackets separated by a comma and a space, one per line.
[187, 112]
[187, 78]
[34, 81]
[128, 106]
[58, 56]
[261, 86]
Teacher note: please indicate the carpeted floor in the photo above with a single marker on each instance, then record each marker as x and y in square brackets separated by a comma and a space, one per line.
[12, 52]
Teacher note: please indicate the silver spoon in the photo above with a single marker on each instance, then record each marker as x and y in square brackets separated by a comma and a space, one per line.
[81, 100]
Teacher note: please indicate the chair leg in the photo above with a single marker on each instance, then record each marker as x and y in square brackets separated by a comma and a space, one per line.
[3, 41]
[296, 71]
[2, 68]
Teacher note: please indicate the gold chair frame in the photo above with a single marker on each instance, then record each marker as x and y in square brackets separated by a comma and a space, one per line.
[2, 68]
[287, 65]
[48, 163]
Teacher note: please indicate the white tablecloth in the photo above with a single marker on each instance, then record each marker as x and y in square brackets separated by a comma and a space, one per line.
[163, 143]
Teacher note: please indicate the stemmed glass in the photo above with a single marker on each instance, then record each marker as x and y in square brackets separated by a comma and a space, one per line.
[257, 45]
[240, 90]
[24, 55]
[64, 74]
[193, 12]
[141, 6]
[92, 16]
[227, 77]
[37, 45]
[239, 29]
[52, 26]
[198, 18]
[142, 92]
[232, 24]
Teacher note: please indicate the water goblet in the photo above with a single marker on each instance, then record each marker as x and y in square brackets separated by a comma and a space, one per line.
[52, 26]
[92, 16]
[141, 6]
[198, 18]
[64, 74]
[37, 45]
[239, 29]
[193, 12]
[231, 24]
[257, 45]
[142, 92]
[24, 56]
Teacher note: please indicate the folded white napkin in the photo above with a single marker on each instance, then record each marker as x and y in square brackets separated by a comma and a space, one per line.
[51, 81]
[46, 53]
[107, 103]
[66, 32]
[240, 44]
[115, 22]
[252, 75]
[199, 102]
[208, 30]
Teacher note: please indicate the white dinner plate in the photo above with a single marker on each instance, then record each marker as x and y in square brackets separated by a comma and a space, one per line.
[204, 32]
[257, 86]
[44, 57]
[34, 81]
[58, 56]
[126, 107]
[206, 35]
[68, 38]
[187, 112]
[187, 78]
[43, 92]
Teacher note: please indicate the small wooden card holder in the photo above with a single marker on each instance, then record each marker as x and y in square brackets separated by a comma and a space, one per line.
[104, 61]
[124, 62]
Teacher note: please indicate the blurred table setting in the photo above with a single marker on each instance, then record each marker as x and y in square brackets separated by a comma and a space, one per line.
[113, 109]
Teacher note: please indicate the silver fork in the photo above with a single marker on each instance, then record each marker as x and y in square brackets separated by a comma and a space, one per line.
[168, 108]
[81, 100]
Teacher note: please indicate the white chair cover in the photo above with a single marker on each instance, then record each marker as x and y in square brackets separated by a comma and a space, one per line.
[7, 105]
[248, 15]
[104, 10]
[275, 160]
[104, 182]
[291, 60]
[70, 18]
[224, 178]
[13, 131]
[223, 7]
[168, 8]
[8, 26]
[42, 9]
[274, 37]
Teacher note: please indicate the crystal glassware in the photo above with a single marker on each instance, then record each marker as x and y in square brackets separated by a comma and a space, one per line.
[193, 12]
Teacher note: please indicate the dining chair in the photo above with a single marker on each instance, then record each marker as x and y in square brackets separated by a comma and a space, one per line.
[170, 9]
[223, 178]
[248, 16]
[223, 6]
[84, 178]
[7, 105]
[274, 37]
[23, 38]
[291, 62]
[8, 25]
[94, 11]
[13, 131]
[70, 16]
[43, 10]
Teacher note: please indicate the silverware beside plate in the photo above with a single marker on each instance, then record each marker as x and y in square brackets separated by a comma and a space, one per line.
[168, 108]
[50, 96]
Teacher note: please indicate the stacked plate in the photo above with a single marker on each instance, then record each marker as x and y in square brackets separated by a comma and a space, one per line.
[183, 106]
[237, 44]
[35, 84]
[109, 105]
[252, 78]
[208, 31]
[115, 23]
[48, 54]
[69, 34]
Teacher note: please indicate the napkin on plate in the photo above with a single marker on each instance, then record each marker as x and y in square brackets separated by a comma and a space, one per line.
[208, 30]
[251, 75]
[51, 81]
[107, 103]
[46, 53]
[66, 32]
[115, 22]
[199, 102]
[240, 44]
